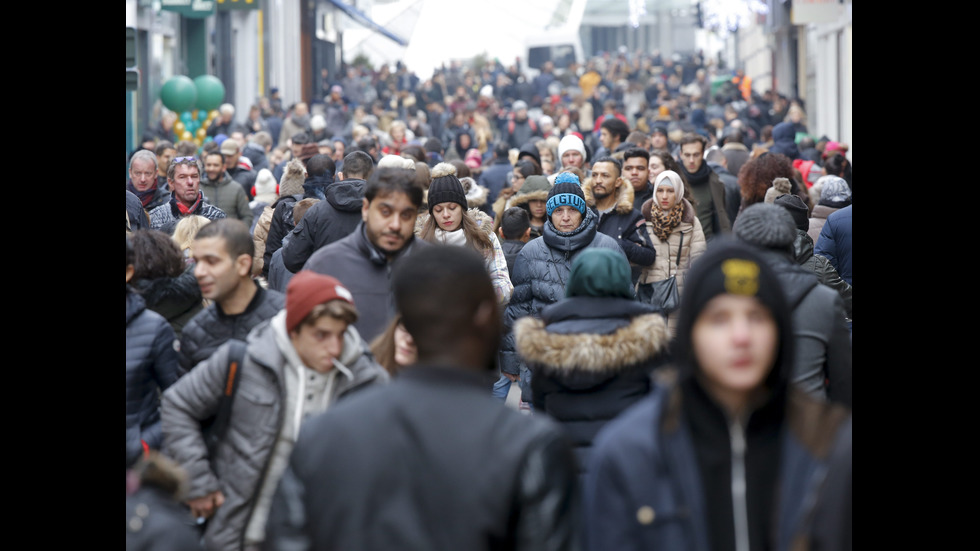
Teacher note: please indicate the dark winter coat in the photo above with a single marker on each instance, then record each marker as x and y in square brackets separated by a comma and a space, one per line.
[151, 367]
[835, 242]
[156, 521]
[511, 249]
[644, 489]
[366, 272]
[211, 328]
[626, 225]
[540, 272]
[242, 457]
[245, 178]
[819, 265]
[494, 178]
[135, 214]
[592, 358]
[325, 222]
[228, 195]
[177, 299]
[784, 140]
[456, 469]
[823, 343]
[714, 217]
[733, 197]
[166, 216]
[280, 224]
[160, 196]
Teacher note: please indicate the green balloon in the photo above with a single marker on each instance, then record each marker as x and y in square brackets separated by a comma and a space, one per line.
[178, 94]
[210, 92]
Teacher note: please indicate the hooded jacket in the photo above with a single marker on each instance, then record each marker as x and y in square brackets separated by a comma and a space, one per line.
[151, 367]
[784, 140]
[540, 272]
[835, 242]
[823, 344]
[325, 222]
[592, 358]
[243, 459]
[366, 272]
[228, 195]
[527, 193]
[676, 472]
[626, 225]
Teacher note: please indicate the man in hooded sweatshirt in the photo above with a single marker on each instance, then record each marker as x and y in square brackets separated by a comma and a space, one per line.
[331, 219]
[726, 453]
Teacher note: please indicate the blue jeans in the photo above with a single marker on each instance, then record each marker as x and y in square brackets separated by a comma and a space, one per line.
[501, 388]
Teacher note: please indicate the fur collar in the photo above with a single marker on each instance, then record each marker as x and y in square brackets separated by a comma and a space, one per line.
[644, 337]
[687, 217]
[624, 196]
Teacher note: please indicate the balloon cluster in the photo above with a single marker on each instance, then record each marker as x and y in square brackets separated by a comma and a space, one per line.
[196, 101]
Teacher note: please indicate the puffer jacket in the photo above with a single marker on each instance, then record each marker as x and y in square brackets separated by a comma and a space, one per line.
[625, 225]
[151, 367]
[229, 196]
[822, 365]
[242, 458]
[803, 254]
[211, 327]
[666, 263]
[325, 222]
[592, 358]
[177, 299]
[540, 272]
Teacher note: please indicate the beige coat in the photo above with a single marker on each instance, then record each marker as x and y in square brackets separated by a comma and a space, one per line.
[665, 264]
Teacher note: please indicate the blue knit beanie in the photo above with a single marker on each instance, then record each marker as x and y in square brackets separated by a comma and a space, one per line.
[565, 194]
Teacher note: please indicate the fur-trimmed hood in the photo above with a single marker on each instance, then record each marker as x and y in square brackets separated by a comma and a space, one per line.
[476, 195]
[642, 339]
[624, 196]
[687, 216]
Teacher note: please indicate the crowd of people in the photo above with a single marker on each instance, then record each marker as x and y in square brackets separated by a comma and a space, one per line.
[328, 305]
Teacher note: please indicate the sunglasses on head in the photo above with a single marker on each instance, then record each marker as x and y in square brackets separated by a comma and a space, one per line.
[183, 159]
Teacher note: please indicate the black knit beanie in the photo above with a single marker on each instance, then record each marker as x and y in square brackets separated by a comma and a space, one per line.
[796, 208]
[445, 187]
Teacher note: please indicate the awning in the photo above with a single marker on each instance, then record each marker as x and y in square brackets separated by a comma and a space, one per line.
[360, 17]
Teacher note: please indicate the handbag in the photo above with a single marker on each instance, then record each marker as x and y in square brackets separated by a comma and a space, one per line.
[662, 294]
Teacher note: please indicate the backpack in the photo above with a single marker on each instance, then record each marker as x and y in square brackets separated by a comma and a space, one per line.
[511, 125]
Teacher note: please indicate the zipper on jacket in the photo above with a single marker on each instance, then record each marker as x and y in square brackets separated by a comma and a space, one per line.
[740, 510]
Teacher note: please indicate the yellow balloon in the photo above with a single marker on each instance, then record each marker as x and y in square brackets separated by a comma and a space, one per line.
[194, 114]
[179, 127]
[186, 135]
[213, 114]
[201, 133]
[206, 124]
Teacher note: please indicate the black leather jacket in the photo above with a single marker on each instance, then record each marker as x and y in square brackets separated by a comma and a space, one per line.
[803, 254]
[430, 482]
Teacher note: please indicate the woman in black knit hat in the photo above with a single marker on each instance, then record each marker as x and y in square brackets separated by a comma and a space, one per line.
[449, 222]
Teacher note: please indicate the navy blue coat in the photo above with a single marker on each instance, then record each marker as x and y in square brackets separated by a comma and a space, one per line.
[643, 489]
[834, 242]
[151, 367]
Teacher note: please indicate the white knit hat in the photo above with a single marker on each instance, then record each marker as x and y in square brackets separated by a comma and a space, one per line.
[265, 186]
[571, 141]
